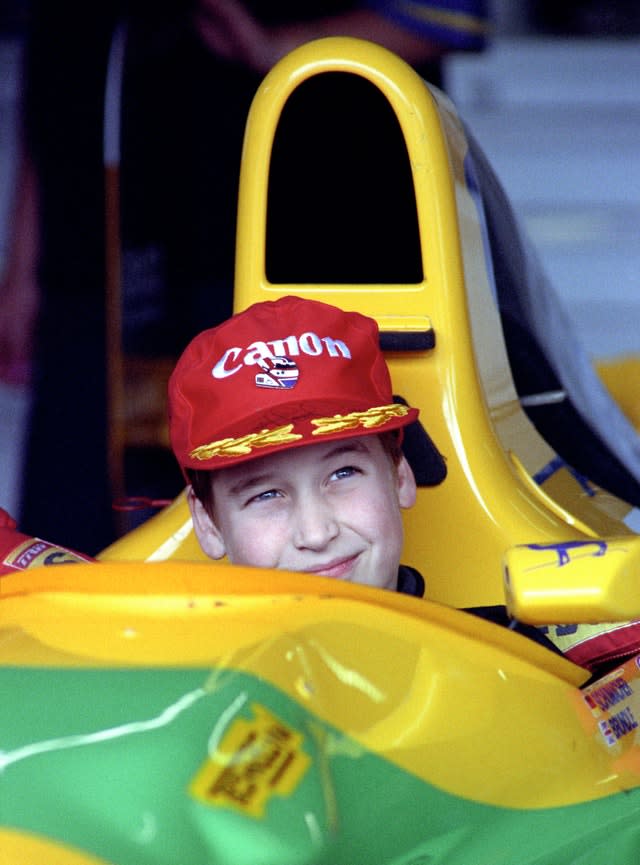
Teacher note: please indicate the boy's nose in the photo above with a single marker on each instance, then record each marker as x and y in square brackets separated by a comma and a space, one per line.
[315, 525]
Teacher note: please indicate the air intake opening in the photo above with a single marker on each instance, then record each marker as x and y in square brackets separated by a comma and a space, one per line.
[341, 202]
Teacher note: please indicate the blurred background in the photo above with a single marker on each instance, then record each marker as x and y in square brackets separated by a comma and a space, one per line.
[554, 100]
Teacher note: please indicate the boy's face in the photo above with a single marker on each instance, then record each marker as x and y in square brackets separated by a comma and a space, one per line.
[331, 509]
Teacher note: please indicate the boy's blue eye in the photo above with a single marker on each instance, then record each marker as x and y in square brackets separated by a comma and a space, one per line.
[345, 472]
[265, 496]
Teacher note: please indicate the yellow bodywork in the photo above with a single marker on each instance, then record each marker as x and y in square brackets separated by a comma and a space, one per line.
[458, 533]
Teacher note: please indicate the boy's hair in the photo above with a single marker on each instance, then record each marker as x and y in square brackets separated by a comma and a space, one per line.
[282, 374]
[201, 480]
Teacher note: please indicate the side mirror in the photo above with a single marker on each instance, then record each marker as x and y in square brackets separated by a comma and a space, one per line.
[581, 581]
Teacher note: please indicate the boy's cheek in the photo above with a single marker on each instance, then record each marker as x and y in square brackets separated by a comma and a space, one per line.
[256, 544]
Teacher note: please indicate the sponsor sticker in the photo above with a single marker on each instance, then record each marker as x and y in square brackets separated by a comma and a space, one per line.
[613, 701]
[256, 759]
[33, 553]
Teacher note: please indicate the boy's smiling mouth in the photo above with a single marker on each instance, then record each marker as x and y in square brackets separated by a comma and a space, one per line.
[337, 569]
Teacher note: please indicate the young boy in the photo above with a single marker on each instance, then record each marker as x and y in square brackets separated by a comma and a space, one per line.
[283, 420]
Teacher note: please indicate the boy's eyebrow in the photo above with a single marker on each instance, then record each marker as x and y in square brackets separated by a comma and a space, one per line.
[249, 482]
[345, 447]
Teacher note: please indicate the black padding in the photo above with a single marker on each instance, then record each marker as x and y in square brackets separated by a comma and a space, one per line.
[428, 464]
[400, 340]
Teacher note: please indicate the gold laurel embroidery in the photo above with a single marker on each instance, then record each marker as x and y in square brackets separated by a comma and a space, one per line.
[368, 419]
[231, 447]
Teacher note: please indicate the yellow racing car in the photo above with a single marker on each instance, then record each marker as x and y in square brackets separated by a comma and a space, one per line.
[161, 708]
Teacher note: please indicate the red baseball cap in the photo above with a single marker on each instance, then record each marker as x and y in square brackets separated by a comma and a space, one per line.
[281, 374]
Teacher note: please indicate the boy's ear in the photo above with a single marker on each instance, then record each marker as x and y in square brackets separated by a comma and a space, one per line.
[406, 484]
[207, 532]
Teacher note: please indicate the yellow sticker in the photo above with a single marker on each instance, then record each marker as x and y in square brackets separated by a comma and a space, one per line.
[256, 759]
